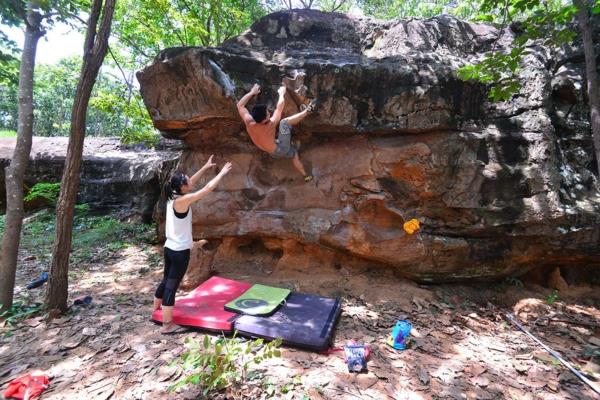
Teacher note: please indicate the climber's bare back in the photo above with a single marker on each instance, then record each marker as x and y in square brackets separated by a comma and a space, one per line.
[262, 135]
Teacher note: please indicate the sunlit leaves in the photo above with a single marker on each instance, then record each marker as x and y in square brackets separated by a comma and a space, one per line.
[497, 70]
[538, 19]
[148, 27]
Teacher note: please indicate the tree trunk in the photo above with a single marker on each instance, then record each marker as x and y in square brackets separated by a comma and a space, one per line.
[591, 73]
[96, 44]
[16, 170]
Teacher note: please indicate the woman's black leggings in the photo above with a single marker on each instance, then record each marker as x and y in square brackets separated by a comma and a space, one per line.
[176, 263]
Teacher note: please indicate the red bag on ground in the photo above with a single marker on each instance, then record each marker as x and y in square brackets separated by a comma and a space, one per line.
[26, 387]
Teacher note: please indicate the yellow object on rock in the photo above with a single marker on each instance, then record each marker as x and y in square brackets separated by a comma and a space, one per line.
[411, 226]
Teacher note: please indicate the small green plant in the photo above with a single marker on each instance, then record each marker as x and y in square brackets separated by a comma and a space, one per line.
[513, 281]
[224, 362]
[20, 310]
[121, 298]
[82, 209]
[154, 259]
[552, 297]
[509, 281]
[46, 191]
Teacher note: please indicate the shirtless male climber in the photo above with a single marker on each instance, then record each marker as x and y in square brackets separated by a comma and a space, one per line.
[262, 128]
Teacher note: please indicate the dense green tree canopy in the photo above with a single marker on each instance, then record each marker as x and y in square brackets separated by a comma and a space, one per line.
[143, 28]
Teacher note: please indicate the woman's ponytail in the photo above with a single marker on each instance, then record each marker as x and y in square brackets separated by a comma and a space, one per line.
[173, 186]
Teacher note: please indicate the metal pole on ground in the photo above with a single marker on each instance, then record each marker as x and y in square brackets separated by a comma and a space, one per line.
[578, 374]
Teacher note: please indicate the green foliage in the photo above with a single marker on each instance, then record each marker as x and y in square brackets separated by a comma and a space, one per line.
[219, 364]
[9, 62]
[94, 236]
[147, 27]
[82, 208]
[7, 133]
[552, 297]
[20, 310]
[115, 109]
[546, 20]
[53, 92]
[8, 105]
[46, 191]
[137, 126]
[392, 9]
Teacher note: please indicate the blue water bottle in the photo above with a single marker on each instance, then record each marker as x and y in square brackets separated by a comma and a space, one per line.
[400, 333]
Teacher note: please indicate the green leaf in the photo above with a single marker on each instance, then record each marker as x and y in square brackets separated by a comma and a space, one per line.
[206, 342]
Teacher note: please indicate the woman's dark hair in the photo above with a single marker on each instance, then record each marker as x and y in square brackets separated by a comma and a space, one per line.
[259, 112]
[173, 186]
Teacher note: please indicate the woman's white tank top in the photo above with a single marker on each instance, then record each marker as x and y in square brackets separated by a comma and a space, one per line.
[178, 230]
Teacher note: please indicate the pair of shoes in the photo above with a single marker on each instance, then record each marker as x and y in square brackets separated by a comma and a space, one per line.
[308, 178]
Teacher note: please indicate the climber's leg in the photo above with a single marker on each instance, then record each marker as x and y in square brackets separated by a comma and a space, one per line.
[298, 165]
[296, 118]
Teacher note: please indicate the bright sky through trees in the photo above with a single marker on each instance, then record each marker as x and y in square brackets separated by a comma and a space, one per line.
[59, 42]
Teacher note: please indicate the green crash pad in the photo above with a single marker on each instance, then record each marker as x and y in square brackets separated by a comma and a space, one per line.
[259, 300]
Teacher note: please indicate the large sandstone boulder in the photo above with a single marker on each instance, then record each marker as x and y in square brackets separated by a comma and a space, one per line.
[499, 188]
[112, 177]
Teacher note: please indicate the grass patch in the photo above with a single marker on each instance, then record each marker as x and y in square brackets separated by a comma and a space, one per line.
[94, 237]
[7, 133]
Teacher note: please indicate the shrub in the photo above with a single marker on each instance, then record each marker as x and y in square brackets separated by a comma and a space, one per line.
[218, 365]
[45, 191]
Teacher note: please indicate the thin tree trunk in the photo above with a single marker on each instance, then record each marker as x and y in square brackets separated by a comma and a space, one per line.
[16, 170]
[96, 45]
[591, 72]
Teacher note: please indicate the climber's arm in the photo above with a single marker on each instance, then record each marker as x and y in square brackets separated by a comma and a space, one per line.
[241, 105]
[279, 108]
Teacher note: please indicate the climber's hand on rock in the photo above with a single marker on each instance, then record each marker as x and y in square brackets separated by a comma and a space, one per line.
[281, 90]
[255, 89]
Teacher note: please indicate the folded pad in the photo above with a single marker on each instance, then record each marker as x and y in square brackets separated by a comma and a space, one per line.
[259, 300]
[305, 320]
[203, 307]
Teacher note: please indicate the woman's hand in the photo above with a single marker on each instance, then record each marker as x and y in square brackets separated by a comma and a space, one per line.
[255, 89]
[226, 168]
[209, 163]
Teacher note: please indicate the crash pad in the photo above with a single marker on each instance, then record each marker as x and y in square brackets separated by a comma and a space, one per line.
[203, 307]
[304, 320]
[259, 300]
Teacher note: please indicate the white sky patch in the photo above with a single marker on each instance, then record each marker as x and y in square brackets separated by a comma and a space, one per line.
[59, 42]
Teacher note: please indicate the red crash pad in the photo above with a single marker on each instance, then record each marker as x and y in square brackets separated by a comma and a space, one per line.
[204, 306]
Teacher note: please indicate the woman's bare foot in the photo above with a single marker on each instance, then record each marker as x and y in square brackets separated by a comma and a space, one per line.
[169, 328]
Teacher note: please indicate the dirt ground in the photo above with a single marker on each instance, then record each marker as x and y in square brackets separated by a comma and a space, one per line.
[462, 348]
